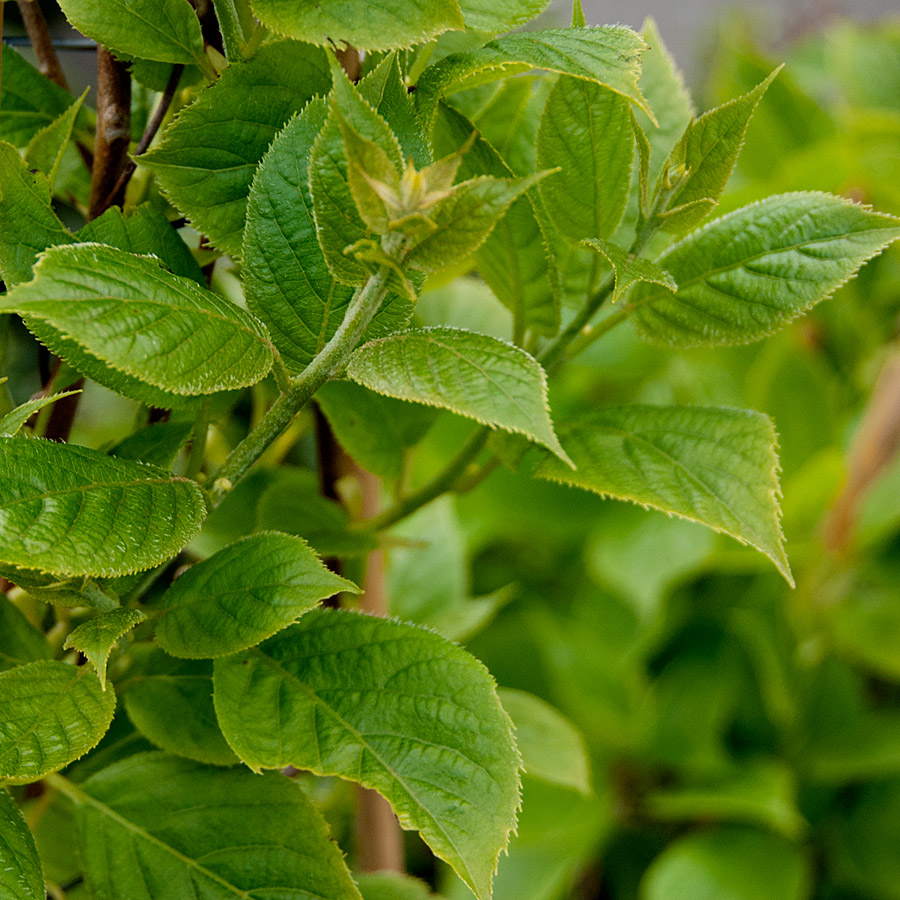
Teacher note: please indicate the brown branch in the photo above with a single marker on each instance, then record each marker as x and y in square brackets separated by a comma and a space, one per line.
[113, 132]
[39, 35]
[379, 840]
[150, 132]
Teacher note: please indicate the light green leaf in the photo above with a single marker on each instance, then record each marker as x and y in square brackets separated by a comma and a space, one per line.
[663, 86]
[172, 706]
[161, 30]
[728, 864]
[13, 421]
[372, 428]
[629, 270]
[700, 164]
[28, 225]
[208, 145]
[368, 26]
[514, 260]
[585, 131]
[494, 17]
[20, 641]
[155, 827]
[552, 748]
[140, 320]
[96, 637]
[29, 101]
[50, 715]
[244, 594]
[145, 231]
[158, 444]
[464, 220]
[711, 465]
[45, 150]
[471, 374]
[743, 276]
[55, 497]
[392, 707]
[610, 56]
[338, 223]
[21, 877]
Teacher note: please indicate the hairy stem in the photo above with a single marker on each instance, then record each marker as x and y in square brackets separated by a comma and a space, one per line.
[442, 482]
[230, 26]
[333, 357]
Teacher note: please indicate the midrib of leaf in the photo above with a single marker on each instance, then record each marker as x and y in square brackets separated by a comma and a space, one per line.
[81, 797]
[83, 488]
[318, 701]
[41, 714]
[693, 478]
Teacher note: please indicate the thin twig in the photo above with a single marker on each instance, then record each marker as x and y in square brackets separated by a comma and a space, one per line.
[149, 134]
[39, 35]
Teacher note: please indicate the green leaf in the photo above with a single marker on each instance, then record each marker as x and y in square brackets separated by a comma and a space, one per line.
[145, 231]
[96, 637]
[586, 132]
[471, 374]
[629, 270]
[50, 715]
[172, 706]
[56, 499]
[286, 279]
[29, 101]
[494, 17]
[158, 444]
[338, 223]
[161, 30]
[20, 641]
[711, 465]
[743, 276]
[155, 827]
[552, 748]
[393, 707]
[381, 26]
[242, 595]
[28, 225]
[21, 877]
[464, 220]
[728, 864]
[392, 886]
[610, 56]
[208, 145]
[700, 164]
[372, 428]
[13, 421]
[140, 320]
[59, 591]
[45, 150]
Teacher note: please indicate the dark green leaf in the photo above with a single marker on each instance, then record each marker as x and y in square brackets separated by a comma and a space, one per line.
[45, 150]
[158, 444]
[209, 145]
[20, 641]
[12, 422]
[392, 706]
[155, 827]
[496, 16]
[74, 511]
[630, 270]
[50, 715]
[20, 868]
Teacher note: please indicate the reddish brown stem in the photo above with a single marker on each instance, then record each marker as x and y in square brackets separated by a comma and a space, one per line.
[39, 35]
[379, 839]
[113, 132]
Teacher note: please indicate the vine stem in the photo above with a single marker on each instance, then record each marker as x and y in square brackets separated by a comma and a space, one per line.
[41, 42]
[230, 27]
[333, 357]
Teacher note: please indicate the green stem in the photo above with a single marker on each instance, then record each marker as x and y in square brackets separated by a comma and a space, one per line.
[230, 26]
[589, 335]
[198, 443]
[431, 490]
[332, 358]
